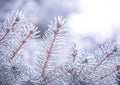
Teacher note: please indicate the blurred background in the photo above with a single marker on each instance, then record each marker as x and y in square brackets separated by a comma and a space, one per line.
[39, 12]
[91, 22]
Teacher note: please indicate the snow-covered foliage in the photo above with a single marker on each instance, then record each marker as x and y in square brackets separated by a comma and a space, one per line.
[80, 68]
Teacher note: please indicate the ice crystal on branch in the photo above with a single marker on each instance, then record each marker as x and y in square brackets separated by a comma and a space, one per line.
[81, 68]
[52, 46]
[15, 33]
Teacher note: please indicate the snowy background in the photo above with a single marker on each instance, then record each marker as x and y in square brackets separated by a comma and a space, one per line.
[91, 22]
[96, 22]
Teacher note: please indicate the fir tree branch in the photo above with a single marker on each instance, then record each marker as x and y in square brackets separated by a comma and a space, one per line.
[74, 54]
[59, 76]
[22, 44]
[10, 28]
[108, 55]
[81, 70]
[107, 75]
[51, 47]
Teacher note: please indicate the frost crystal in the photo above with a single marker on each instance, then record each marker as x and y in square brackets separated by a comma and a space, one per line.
[81, 68]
